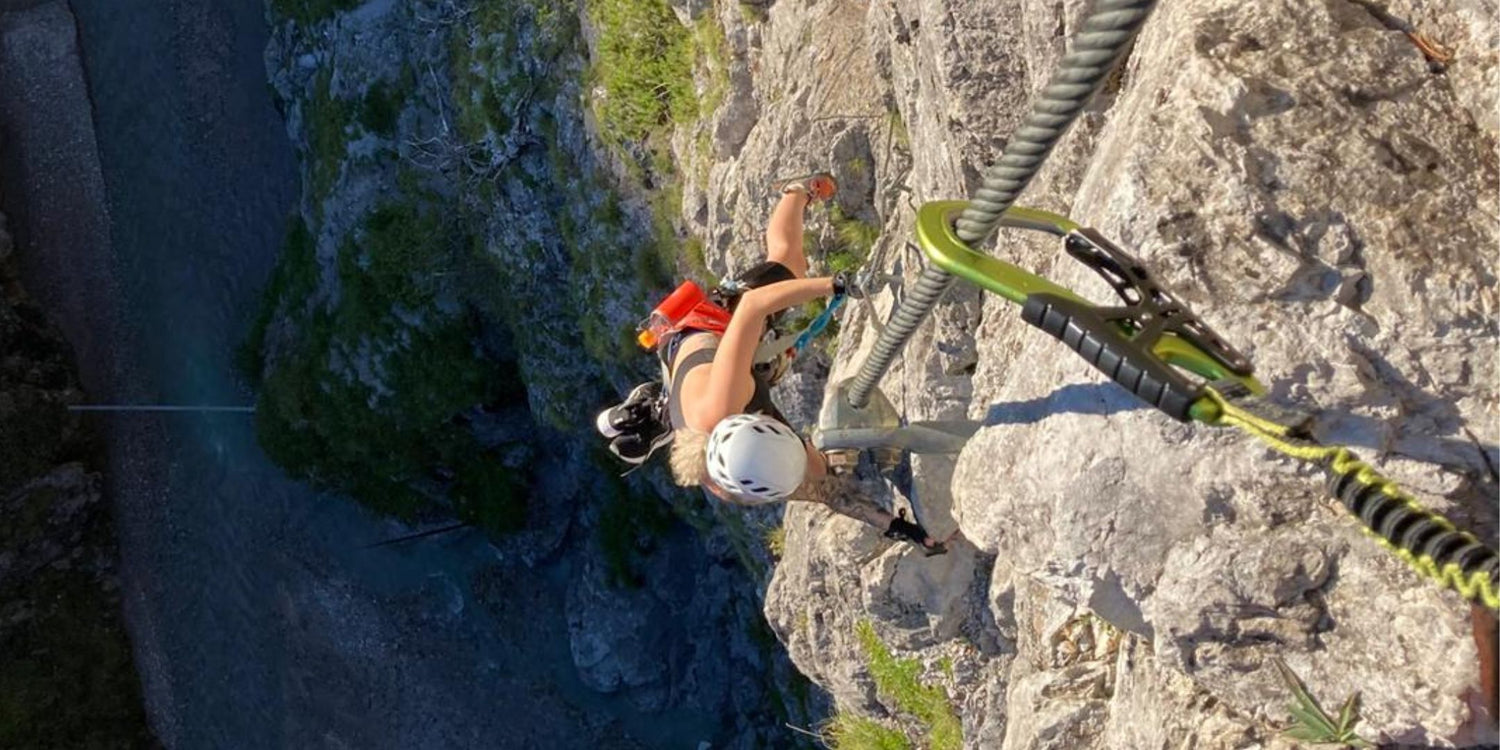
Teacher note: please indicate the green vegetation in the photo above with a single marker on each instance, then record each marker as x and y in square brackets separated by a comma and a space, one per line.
[711, 47]
[660, 268]
[489, 494]
[849, 732]
[482, 97]
[66, 675]
[697, 262]
[367, 403]
[898, 129]
[371, 360]
[753, 13]
[801, 317]
[306, 12]
[1310, 723]
[644, 65]
[501, 60]
[897, 680]
[294, 279]
[644, 68]
[327, 120]
[627, 531]
[382, 105]
[856, 238]
[776, 541]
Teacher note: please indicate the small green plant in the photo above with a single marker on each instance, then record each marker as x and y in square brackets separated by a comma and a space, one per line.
[708, 38]
[856, 238]
[898, 130]
[811, 245]
[1310, 723]
[850, 732]
[659, 265]
[945, 665]
[328, 118]
[776, 541]
[803, 316]
[391, 438]
[627, 532]
[897, 679]
[294, 279]
[753, 13]
[380, 108]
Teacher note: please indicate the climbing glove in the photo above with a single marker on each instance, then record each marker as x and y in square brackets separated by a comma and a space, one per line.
[902, 529]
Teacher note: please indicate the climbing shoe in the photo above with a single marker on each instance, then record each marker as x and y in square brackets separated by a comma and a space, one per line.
[819, 186]
[635, 448]
[640, 406]
[637, 426]
[902, 529]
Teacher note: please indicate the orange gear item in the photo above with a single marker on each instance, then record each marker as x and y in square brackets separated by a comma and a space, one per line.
[685, 307]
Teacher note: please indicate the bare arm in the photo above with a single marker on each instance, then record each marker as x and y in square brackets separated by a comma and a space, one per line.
[729, 378]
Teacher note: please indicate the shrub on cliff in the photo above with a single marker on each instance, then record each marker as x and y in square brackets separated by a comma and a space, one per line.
[644, 66]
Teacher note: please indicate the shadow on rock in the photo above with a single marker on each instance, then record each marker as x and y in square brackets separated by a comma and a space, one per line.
[1100, 399]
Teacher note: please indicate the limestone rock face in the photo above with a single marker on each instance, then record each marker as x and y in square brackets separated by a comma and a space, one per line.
[1325, 199]
[1300, 173]
[475, 111]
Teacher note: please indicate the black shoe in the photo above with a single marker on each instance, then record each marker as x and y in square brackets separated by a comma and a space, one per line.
[636, 447]
[904, 530]
[643, 405]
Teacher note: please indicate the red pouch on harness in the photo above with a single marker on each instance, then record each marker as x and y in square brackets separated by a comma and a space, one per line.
[685, 307]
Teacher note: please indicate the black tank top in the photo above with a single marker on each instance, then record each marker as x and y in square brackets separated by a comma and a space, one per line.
[760, 400]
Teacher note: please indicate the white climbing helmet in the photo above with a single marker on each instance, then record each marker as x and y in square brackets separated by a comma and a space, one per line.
[756, 458]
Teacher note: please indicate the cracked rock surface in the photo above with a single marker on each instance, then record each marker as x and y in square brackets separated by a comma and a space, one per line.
[1304, 178]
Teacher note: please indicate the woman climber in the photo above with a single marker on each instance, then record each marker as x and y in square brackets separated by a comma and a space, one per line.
[728, 435]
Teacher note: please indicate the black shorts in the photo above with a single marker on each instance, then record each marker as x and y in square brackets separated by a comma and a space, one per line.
[762, 274]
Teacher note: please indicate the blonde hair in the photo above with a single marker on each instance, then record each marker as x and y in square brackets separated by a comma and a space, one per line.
[689, 456]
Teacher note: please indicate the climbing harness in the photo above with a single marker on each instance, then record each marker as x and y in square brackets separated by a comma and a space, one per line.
[637, 427]
[1153, 344]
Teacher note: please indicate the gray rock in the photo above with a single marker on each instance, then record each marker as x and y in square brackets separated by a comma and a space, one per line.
[607, 629]
[1121, 580]
[1317, 198]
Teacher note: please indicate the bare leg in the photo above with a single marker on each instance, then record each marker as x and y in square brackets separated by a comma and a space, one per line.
[784, 233]
[843, 496]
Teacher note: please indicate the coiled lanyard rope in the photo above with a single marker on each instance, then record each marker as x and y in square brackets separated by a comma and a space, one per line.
[1426, 541]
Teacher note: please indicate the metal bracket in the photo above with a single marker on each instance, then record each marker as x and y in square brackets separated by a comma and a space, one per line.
[878, 427]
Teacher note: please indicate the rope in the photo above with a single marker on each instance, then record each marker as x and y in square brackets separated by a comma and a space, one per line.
[819, 323]
[1099, 43]
[1424, 540]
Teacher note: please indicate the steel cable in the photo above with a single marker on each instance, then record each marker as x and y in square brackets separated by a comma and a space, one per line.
[1101, 40]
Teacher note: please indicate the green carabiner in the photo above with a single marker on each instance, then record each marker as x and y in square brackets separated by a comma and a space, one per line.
[1146, 353]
